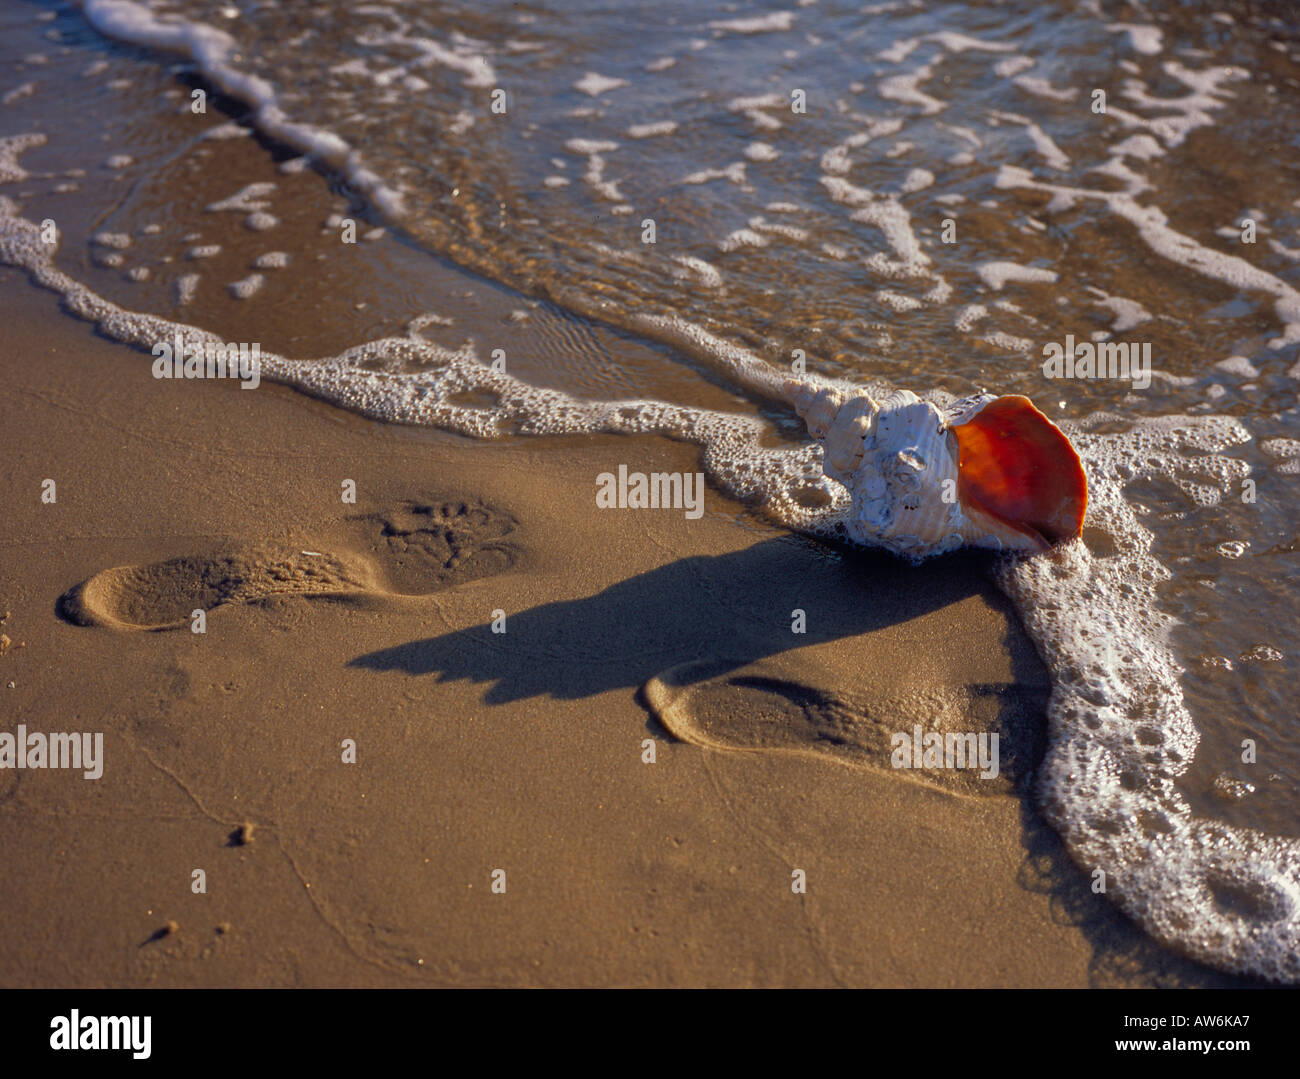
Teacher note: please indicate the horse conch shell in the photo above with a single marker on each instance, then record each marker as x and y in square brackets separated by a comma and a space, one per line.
[984, 472]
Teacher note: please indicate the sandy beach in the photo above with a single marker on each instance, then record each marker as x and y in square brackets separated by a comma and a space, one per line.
[475, 752]
[448, 722]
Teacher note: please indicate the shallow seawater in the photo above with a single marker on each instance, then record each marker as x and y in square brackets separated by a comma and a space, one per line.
[918, 195]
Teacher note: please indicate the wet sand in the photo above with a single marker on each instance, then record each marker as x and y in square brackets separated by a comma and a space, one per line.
[476, 751]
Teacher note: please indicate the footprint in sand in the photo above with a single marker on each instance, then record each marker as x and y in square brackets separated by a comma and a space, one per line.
[712, 704]
[423, 545]
[418, 547]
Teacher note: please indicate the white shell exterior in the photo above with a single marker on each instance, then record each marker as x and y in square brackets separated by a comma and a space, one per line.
[898, 460]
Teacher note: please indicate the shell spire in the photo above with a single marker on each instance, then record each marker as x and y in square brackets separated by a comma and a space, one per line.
[984, 472]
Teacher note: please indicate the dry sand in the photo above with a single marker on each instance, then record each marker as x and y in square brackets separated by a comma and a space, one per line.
[477, 751]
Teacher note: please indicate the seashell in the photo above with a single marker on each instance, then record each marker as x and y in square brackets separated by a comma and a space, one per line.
[986, 471]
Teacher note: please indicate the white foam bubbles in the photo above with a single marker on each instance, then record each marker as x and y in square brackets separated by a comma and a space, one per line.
[997, 274]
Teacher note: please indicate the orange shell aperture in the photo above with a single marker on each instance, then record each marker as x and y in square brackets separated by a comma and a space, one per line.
[1017, 466]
